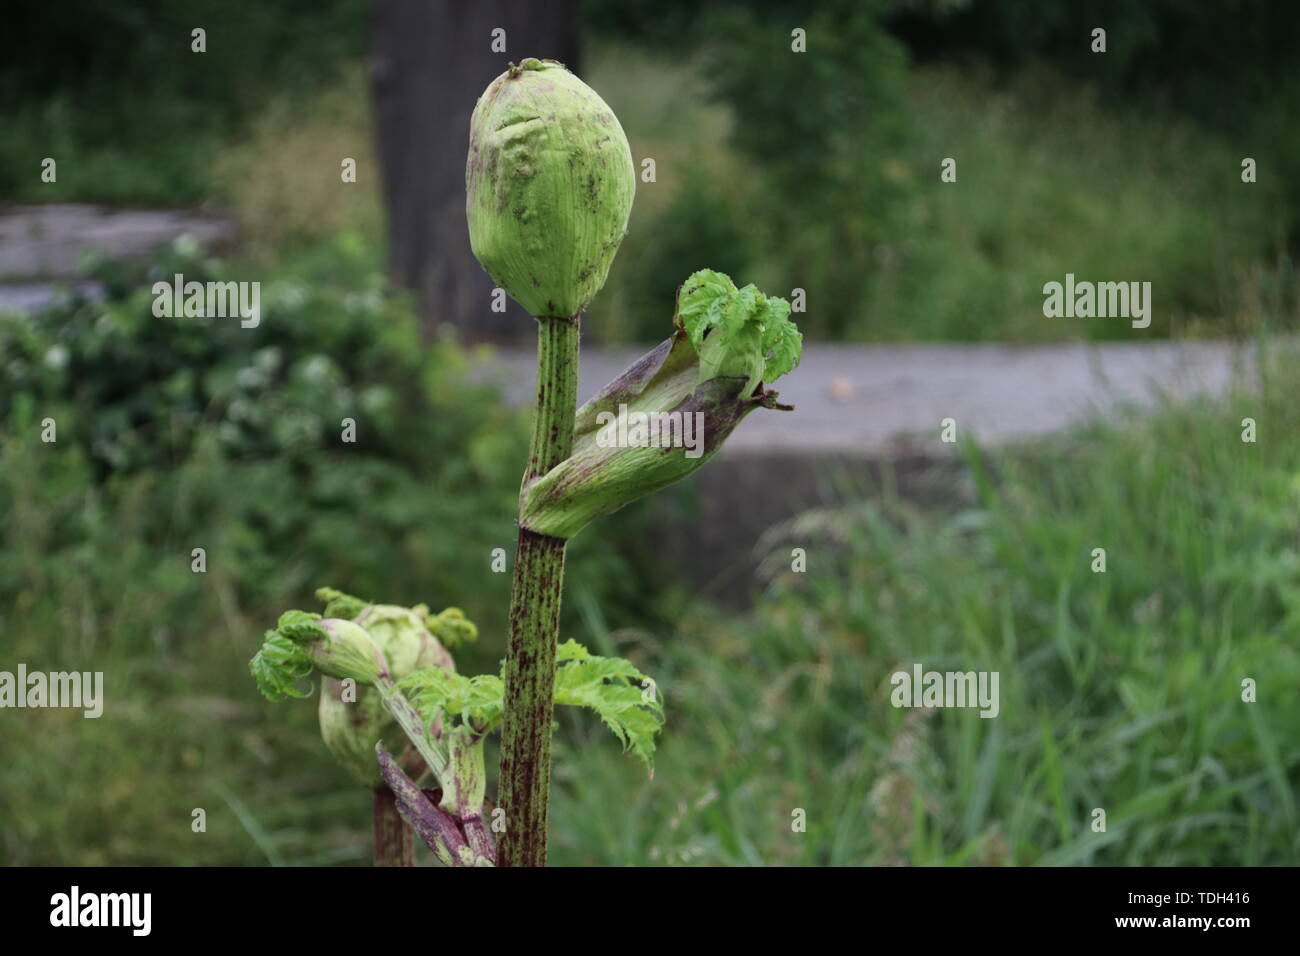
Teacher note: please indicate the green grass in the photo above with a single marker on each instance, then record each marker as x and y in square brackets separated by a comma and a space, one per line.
[1049, 183]
[1118, 690]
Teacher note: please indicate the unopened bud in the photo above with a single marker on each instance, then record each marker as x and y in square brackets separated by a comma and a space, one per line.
[549, 184]
[404, 637]
[345, 650]
[351, 729]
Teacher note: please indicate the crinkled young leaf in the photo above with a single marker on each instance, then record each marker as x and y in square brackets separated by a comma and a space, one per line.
[299, 625]
[737, 310]
[282, 662]
[303, 641]
[701, 304]
[339, 604]
[737, 331]
[453, 628]
[627, 701]
[782, 340]
[278, 667]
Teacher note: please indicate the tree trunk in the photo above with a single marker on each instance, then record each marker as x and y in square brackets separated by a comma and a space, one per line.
[431, 60]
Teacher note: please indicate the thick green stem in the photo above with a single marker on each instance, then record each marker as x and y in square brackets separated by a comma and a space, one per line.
[394, 840]
[535, 613]
[557, 395]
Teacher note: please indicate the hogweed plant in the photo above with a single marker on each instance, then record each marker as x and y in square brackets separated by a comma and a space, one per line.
[549, 184]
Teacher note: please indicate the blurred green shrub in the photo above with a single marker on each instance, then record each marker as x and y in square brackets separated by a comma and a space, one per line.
[114, 92]
[1228, 68]
[260, 181]
[234, 435]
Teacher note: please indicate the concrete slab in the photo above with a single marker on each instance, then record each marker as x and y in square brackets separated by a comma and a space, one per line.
[46, 242]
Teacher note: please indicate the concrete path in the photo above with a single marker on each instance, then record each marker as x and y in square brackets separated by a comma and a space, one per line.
[40, 245]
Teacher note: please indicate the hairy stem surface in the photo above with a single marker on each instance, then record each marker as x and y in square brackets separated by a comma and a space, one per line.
[535, 613]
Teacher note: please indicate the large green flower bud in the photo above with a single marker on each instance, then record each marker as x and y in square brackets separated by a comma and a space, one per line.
[344, 650]
[403, 635]
[549, 184]
[350, 728]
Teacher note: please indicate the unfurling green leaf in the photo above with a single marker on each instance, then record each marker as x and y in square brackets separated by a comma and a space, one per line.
[671, 410]
[302, 641]
[338, 604]
[278, 667]
[702, 301]
[627, 701]
[737, 331]
[453, 628]
[437, 693]
[300, 625]
[782, 340]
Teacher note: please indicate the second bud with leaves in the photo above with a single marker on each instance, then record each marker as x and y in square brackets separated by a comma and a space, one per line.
[727, 344]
